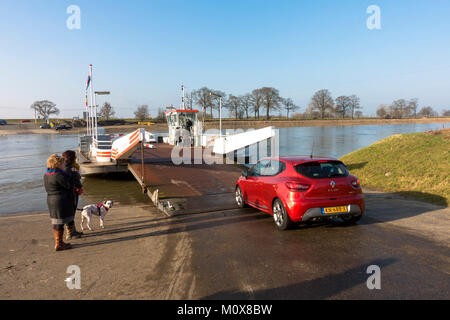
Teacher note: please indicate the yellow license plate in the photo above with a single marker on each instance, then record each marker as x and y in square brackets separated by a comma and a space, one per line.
[339, 209]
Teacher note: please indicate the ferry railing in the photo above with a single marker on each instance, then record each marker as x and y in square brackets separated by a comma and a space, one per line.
[103, 142]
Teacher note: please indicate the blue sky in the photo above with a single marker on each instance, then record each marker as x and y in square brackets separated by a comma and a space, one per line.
[142, 51]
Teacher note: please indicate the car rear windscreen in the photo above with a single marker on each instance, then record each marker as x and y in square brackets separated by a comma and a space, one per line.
[322, 169]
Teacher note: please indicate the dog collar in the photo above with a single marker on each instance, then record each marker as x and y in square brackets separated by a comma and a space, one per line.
[99, 205]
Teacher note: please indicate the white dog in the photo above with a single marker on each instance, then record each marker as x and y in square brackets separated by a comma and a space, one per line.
[100, 209]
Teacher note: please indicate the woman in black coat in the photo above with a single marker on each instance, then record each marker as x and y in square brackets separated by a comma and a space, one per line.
[71, 167]
[59, 187]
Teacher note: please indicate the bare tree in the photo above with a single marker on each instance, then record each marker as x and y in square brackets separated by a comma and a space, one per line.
[412, 107]
[142, 112]
[189, 100]
[446, 113]
[257, 101]
[311, 112]
[246, 103]
[354, 104]
[322, 102]
[203, 98]
[235, 105]
[107, 111]
[381, 111]
[44, 108]
[427, 112]
[289, 106]
[215, 101]
[331, 112]
[271, 99]
[358, 114]
[399, 109]
[343, 105]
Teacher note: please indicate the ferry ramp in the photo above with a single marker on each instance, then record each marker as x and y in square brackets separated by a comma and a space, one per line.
[185, 188]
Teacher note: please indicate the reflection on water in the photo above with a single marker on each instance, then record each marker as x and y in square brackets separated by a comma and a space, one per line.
[23, 158]
[22, 165]
[121, 188]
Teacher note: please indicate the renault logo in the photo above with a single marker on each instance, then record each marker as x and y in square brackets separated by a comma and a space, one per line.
[332, 184]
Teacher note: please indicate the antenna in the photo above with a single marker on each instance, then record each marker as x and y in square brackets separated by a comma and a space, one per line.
[182, 99]
[312, 150]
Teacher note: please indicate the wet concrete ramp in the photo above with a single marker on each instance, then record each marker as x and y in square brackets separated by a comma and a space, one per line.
[185, 188]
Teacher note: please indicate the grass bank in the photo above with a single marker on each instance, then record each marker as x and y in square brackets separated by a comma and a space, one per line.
[414, 165]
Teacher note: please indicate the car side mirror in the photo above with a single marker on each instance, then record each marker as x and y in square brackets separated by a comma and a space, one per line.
[245, 174]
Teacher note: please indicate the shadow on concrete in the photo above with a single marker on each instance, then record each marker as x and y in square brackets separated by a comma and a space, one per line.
[385, 207]
[423, 196]
[380, 207]
[182, 228]
[316, 289]
[154, 223]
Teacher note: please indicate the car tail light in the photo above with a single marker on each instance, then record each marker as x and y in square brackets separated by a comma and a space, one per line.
[356, 183]
[296, 186]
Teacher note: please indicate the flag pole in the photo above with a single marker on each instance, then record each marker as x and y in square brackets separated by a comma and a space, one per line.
[95, 114]
[92, 101]
[88, 106]
[182, 99]
[87, 113]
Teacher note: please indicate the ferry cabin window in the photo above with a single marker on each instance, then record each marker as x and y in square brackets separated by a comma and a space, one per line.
[172, 119]
[185, 116]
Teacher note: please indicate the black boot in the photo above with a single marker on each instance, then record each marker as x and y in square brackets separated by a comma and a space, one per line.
[71, 232]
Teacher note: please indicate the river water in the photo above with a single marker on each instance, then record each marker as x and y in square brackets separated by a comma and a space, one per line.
[23, 158]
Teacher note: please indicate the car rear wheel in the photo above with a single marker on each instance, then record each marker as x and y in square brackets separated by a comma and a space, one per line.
[280, 215]
[240, 198]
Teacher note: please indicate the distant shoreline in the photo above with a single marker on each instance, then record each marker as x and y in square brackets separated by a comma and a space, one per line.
[319, 123]
[29, 128]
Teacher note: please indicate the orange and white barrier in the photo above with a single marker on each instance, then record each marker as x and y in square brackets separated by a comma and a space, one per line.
[124, 147]
[103, 156]
[101, 150]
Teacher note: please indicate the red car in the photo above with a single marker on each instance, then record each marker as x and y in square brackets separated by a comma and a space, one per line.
[301, 188]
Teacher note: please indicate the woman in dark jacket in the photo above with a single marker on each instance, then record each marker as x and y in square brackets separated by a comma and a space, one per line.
[59, 187]
[71, 167]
